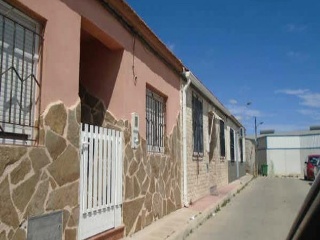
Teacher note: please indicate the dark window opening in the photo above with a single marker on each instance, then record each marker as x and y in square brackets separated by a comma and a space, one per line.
[222, 140]
[241, 149]
[231, 144]
[197, 126]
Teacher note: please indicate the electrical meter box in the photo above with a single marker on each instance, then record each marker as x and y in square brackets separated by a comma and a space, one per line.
[134, 130]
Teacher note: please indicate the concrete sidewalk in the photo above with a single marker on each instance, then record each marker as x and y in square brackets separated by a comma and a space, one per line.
[179, 224]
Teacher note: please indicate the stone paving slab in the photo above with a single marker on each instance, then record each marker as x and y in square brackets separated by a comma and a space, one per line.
[180, 223]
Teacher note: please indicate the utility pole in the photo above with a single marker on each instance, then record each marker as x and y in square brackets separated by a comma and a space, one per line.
[256, 144]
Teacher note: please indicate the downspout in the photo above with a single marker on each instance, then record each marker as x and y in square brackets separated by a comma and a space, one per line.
[184, 137]
[244, 146]
[239, 135]
[237, 152]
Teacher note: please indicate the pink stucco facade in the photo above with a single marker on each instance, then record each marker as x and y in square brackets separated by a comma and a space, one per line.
[124, 93]
[136, 66]
[94, 69]
[61, 50]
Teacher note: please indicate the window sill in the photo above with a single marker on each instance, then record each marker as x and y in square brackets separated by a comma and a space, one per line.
[197, 156]
[155, 150]
[155, 153]
[14, 136]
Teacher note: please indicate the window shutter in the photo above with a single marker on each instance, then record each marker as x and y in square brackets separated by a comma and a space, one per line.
[211, 118]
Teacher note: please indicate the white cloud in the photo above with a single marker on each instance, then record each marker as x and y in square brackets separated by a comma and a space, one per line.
[292, 91]
[297, 56]
[305, 111]
[238, 117]
[233, 101]
[293, 54]
[308, 98]
[311, 114]
[295, 27]
[171, 46]
[243, 111]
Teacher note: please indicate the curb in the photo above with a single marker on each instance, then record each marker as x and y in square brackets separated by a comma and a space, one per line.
[208, 213]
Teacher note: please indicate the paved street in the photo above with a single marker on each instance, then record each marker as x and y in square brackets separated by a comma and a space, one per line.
[265, 209]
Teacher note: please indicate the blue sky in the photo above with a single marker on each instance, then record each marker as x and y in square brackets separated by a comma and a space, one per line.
[266, 52]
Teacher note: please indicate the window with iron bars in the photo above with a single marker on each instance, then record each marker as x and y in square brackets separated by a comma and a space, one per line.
[241, 149]
[20, 43]
[155, 121]
[242, 134]
[231, 144]
[222, 140]
[197, 125]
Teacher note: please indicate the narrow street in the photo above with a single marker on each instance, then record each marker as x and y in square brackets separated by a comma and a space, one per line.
[265, 209]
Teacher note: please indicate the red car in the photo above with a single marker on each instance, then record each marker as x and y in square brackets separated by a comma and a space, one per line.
[312, 160]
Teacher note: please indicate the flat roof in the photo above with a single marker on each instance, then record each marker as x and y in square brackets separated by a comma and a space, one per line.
[292, 133]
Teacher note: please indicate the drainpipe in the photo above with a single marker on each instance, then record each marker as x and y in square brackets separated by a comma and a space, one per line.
[243, 135]
[184, 137]
[237, 153]
[239, 135]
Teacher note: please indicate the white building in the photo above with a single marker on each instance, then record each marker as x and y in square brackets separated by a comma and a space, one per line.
[285, 153]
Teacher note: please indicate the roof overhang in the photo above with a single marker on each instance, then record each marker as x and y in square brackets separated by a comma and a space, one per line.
[209, 95]
[132, 22]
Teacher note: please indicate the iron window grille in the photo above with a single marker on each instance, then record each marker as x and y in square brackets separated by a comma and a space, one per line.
[197, 125]
[19, 70]
[231, 144]
[241, 149]
[155, 121]
[222, 140]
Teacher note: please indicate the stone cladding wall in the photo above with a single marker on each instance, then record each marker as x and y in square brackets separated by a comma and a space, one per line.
[36, 180]
[151, 181]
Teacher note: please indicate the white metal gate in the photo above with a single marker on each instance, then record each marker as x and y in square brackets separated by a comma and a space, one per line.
[100, 180]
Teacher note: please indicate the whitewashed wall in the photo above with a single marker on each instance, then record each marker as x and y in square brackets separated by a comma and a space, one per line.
[283, 142]
[286, 154]
[284, 162]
